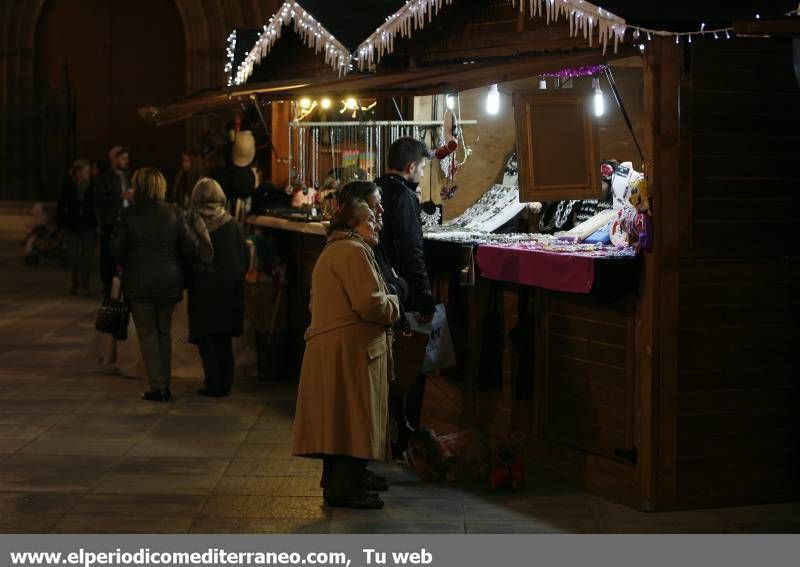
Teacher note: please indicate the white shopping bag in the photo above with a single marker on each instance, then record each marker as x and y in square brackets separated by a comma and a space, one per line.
[440, 353]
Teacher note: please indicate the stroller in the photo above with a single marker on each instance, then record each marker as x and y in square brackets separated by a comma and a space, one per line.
[43, 243]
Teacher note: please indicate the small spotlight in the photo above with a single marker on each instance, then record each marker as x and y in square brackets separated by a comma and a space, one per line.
[493, 100]
[351, 104]
[305, 103]
[599, 101]
[325, 103]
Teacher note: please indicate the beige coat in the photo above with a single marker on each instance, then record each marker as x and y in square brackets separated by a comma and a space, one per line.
[342, 401]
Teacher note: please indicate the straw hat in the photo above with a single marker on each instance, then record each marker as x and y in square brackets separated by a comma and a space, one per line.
[244, 148]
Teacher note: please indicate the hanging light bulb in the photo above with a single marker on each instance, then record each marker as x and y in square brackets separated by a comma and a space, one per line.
[493, 100]
[351, 104]
[450, 101]
[599, 101]
[325, 103]
[305, 103]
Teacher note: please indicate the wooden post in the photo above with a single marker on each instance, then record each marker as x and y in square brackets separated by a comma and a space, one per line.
[280, 141]
[657, 309]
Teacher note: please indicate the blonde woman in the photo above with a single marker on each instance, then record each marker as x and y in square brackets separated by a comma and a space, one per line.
[150, 243]
[190, 172]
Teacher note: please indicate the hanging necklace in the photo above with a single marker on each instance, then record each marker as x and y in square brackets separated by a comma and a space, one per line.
[430, 219]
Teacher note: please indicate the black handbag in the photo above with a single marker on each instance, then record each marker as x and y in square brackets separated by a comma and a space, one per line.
[408, 350]
[113, 316]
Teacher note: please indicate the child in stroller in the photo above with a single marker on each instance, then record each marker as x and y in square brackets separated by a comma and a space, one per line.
[42, 244]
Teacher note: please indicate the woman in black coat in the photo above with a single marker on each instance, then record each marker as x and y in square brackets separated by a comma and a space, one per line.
[152, 243]
[216, 286]
[77, 222]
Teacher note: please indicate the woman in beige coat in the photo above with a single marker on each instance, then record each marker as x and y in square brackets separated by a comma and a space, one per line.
[342, 403]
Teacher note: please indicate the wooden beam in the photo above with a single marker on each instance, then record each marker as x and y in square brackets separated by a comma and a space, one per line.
[775, 27]
[657, 310]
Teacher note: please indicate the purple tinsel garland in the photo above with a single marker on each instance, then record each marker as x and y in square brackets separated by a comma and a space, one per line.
[576, 72]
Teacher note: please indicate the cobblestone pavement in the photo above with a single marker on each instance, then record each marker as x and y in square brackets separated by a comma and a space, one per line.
[80, 452]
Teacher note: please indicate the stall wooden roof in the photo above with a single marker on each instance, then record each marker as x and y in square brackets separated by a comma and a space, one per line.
[467, 45]
[442, 78]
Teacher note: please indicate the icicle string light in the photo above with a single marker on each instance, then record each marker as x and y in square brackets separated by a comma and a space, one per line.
[582, 16]
[597, 25]
[313, 34]
[410, 17]
[230, 54]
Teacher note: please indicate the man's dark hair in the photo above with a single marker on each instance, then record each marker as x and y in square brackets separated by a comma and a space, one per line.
[404, 151]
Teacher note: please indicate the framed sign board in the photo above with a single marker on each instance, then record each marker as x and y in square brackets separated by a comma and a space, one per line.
[556, 146]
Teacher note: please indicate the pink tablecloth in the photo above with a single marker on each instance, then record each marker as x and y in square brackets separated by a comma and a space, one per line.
[559, 272]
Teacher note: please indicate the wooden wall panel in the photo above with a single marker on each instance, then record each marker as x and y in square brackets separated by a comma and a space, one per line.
[738, 380]
[585, 389]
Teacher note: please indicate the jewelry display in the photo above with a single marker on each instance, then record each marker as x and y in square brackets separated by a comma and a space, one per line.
[430, 219]
[357, 149]
[495, 208]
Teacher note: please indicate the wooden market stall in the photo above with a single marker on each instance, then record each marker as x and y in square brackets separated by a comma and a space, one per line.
[668, 381]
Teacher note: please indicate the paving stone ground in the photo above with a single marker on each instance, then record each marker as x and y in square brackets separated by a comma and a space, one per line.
[81, 453]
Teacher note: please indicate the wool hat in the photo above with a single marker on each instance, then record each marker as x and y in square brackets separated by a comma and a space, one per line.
[244, 149]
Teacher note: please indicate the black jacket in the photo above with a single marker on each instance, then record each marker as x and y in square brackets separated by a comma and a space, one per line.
[152, 243]
[74, 214]
[236, 183]
[397, 285]
[401, 239]
[216, 291]
[108, 197]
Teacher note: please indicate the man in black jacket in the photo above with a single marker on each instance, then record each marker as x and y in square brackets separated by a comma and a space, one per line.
[401, 243]
[112, 192]
[401, 235]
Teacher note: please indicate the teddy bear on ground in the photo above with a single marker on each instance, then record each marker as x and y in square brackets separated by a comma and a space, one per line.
[508, 467]
[456, 457]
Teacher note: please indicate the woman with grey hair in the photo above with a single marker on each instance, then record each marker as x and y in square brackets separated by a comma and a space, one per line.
[342, 402]
[216, 286]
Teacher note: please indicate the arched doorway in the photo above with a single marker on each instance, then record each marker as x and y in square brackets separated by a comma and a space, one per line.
[118, 55]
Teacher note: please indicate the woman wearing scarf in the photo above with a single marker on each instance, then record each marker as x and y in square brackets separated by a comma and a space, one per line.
[342, 402]
[216, 286]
